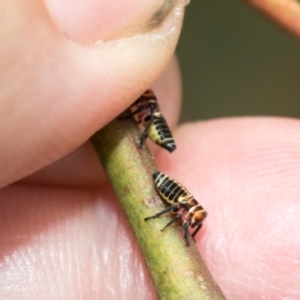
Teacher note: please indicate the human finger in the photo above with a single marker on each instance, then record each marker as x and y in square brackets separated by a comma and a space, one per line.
[68, 244]
[245, 173]
[73, 89]
[234, 168]
[81, 168]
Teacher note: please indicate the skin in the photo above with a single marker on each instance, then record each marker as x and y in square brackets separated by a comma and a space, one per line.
[63, 235]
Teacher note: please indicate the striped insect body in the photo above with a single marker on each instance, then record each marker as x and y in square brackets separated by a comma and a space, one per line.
[146, 111]
[182, 202]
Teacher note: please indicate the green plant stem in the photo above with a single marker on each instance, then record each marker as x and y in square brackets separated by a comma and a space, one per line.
[178, 272]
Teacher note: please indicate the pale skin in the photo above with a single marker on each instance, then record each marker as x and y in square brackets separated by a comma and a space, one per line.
[63, 235]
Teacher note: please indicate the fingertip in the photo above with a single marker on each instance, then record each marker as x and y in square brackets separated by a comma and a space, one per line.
[76, 89]
[88, 21]
[245, 173]
[119, 71]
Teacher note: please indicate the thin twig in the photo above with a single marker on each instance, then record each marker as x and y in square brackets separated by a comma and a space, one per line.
[178, 272]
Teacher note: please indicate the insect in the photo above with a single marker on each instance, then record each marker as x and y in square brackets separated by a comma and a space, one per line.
[183, 204]
[147, 112]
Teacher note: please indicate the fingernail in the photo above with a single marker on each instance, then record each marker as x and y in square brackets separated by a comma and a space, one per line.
[87, 21]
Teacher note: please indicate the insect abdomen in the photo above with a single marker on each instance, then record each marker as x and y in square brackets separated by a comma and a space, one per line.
[183, 204]
[146, 111]
[160, 133]
[169, 189]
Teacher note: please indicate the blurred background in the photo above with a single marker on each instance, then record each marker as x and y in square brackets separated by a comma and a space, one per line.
[236, 62]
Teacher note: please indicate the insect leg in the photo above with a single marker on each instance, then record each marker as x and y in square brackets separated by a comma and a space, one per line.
[196, 231]
[144, 134]
[138, 110]
[168, 209]
[185, 235]
[171, 222]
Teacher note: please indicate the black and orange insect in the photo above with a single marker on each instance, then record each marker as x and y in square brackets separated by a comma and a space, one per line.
[146, 111]
[183, 204]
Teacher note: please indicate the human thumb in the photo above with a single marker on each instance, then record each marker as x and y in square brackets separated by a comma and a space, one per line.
[62, 80]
